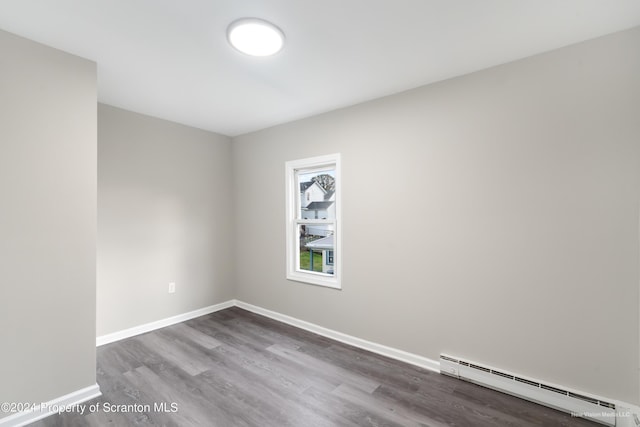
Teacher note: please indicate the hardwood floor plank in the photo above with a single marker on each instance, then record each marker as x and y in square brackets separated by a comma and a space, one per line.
[195, 336]
[371, 365]
[269, 402]
[354, 414]
[392, 412]
[183, 356]
[270, 368]
[325, 368]
[236, 368]
[281, 333]
[165, 395]
[212, 401]
[443, 409]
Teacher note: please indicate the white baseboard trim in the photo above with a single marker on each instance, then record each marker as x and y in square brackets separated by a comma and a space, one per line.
[51, 407]
[148, 327]
[373, 347]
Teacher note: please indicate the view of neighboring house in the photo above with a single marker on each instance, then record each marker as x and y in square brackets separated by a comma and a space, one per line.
[318, 203]
[324, 244]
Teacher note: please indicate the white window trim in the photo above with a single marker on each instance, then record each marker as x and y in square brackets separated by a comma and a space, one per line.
[292, 206]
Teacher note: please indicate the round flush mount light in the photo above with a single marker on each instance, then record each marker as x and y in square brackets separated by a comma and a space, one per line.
[255, 37]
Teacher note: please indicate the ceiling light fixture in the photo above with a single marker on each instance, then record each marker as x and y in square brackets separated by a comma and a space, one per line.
[255, 37]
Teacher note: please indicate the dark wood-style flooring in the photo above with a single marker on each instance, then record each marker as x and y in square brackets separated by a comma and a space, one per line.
[236, 368]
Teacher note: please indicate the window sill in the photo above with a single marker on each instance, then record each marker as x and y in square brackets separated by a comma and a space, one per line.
[312, 279]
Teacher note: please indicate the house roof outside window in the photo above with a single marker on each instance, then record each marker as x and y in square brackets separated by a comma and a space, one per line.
[317, 206]
[304, 186]
[324, 243]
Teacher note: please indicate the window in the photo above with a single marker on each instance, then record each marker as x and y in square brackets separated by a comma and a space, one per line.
[313, 220]
[329, 257]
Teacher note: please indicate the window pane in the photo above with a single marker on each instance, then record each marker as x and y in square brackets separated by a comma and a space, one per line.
[317, 194]
[316, 248]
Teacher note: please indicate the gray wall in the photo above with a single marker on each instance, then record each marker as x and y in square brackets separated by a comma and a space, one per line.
[47, 221]
[504, 209]
[164, 215]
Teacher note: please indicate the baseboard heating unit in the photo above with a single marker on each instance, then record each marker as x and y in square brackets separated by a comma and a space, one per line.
[545, 394]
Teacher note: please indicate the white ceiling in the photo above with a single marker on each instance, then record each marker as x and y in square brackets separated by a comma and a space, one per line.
[170, 58]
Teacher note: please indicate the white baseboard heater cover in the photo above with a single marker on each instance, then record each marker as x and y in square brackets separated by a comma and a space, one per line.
[544, 394]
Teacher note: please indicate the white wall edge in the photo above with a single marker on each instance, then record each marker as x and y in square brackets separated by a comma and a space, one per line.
[148, 327]
[383, 350]
[45, 409]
